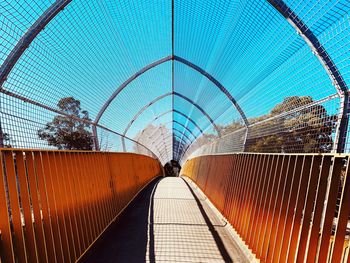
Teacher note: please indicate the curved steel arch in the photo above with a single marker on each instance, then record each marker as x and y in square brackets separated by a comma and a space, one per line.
[166, 95]
[179, 123]
[326, 61]
[180, 113]
[29, 36]
[192, 121]
[184, 135]
[185, 127]
[182, 141]
[183, 61]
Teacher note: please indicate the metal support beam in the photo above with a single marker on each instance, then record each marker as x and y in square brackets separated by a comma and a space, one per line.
[328, 64]
[185, 127]
[182, 125]
[172, 62]
[180, 140]
[174, 111]
[217, 83]
[28, 38]
[183, 61]
[184, 135]
[166, 95]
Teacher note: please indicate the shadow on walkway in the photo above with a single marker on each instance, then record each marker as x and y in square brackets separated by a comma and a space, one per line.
[219, 243]
[126, 239]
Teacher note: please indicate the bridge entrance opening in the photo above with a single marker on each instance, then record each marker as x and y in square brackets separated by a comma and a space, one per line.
[172, 168]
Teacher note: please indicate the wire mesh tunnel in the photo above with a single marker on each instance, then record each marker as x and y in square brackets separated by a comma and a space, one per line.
[267, 76]
[175, 79]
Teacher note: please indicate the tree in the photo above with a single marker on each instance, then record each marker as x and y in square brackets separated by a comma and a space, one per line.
[7, 140]
[227, 129]
[66, 132]
[306, 130]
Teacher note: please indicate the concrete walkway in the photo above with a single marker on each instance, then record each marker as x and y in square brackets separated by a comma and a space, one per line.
[170, 221]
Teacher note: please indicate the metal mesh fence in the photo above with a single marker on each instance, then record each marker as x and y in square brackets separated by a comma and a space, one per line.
[308, 128]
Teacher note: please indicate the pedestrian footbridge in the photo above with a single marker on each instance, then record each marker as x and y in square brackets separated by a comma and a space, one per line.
[174, 131]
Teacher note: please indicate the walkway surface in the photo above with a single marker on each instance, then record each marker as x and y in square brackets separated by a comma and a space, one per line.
[170, 221]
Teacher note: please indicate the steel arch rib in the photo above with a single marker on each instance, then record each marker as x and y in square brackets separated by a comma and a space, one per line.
[166, 95]
[182, 125]
[182, 141]
[183, 61]
[28, 38]
[279, 5]
[185, 127]
[325, 60]
[178, 112]
[192, 121]
[183, 135]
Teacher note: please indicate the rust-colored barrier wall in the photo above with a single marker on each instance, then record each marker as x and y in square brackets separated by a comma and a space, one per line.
[54, 204]
[286, 208]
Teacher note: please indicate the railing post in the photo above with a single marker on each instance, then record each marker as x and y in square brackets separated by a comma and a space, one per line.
[341, 125]
[123, 143]
[245, 139]
[95, 138]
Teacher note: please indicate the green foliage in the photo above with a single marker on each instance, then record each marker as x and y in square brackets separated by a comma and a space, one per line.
[66, 132]
[7, 140]
[307, 130]
[234, 126]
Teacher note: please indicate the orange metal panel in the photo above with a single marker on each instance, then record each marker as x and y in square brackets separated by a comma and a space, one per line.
[45, 210]
[28, 227]
[76, 206]
[311, 195]
[59, 192]
[61, 201]
[252, 198]
[65, 201]
[229, 192]
[39, 229]
[54, 213]
[116, 202]
[343, 217]
[18, 238]
[104, 184]
[264, 191]
[88, 196]
[288, 220]
[100, 192]
[237, 187]
[299, 208]
[275, 165]
[84, 204]
[275, 250]
[67, 177]
[94, 198]
[326, 229]
[273, 204]
[240, 196]
[6, 248]
[318, 208]
[256, 201]
[247, 194]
